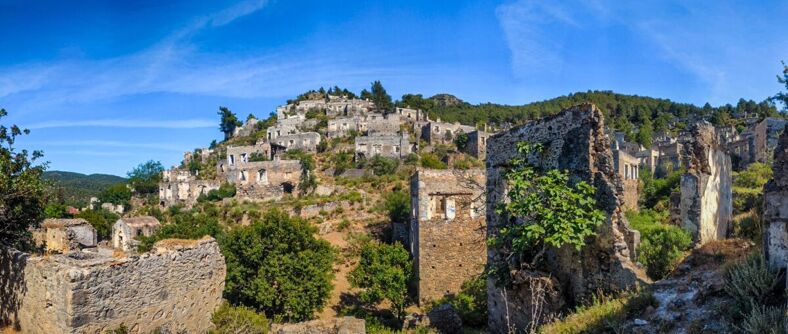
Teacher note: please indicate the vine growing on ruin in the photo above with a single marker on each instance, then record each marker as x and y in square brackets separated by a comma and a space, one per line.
[545, 209]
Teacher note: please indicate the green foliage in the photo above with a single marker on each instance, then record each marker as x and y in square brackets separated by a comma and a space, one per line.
[550, 211]
[461, 141]
[55, 210]
[379, 96]
[228, 121]
[257, 156]
[277, 266]
[605, 314]
[397, 205]
[144, 178]
[752, 284]
[118, 194]
[21, 187]
[191, 224]
[470, 302]
[748, 187]
[656, 191]
[233, 320]
[76, 189]
[430, 160]
[662, 246]
[764, 320]
[308, 179]
[782, 96]
[121, 329]
[384, 272]
[381, 165]
[342, 161]
[101, 220]
[226, 190]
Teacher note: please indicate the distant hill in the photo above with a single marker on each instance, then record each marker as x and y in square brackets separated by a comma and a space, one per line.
[76, 189]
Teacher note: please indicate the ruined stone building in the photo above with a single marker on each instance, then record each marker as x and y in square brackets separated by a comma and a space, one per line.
[757, 143]
[65, 235]
[775, 214]
[342, 126]
[443, 133]
[410, 115]
[390, 146]
[574, 140]
[126, 231]
[265, 180]
[348, 107]
[706, 187]
[180, 187]
[382, 124]
[279, 130]
[174, 289]
[306, 141]
[649, 159]
[628, 170]
[249, 127]
[238, 155]
[477, 144]
[447, 232]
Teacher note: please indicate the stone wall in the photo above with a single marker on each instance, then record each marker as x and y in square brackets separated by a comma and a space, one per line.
[775, 215]
[306, 141]
[180, 187]
[447, 230]
[391, 146]
[344, 325]
[706, 188]
[574, 140]
[477, 144]
[627, 168]
[265, 180]
[174, 288]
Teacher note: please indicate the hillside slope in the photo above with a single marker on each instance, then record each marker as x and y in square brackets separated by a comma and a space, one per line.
[76, 189]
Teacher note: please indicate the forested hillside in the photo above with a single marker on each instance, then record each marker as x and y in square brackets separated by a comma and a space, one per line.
[76, 189]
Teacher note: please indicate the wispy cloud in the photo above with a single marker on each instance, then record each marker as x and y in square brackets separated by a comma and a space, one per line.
[127, 123]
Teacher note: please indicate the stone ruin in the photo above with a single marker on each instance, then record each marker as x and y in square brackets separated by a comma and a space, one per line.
[706, 188]
[447, 231]
[180, 187]
[65, 235]
[174, 288]
[390, 146]
[344, 325]
[575, 141]
[775, 213]
[125, 231]
[628, 169]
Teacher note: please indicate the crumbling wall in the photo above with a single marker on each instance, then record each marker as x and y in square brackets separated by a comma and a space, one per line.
[175, 288]
[344, 325]
[574, 140]
[706, 188]
[447, 230]
[775, 213]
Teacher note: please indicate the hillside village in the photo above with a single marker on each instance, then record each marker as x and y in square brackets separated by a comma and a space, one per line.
[416, 224]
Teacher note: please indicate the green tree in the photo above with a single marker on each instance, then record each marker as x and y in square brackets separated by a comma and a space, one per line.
[783, 96]
[235, 320]
[144, 178]
[101, 220]
[308, 181]
[549, 211]
[397, 205]
[55, 210]
[228, 122]
[384, 272]
[381, 165]
[379, 96]
[21, 187]
[461, 141]
[118, 194]
[277, 266]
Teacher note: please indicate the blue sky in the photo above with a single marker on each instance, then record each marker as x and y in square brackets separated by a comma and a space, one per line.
[105, 85]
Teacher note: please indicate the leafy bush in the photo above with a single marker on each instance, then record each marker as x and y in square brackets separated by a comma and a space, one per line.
[342, 161]
[192, 224]
[101, 220]
[226, 190]
[397, 205]
[308, 179]
[656, 191]
[662, 246]
[231, 320]
[278, 267]
[764, 320]
[752, 284]
[470, 302]
[429, 160]
[384, 272]
[118, 194]
[546, 210]
[381, 165]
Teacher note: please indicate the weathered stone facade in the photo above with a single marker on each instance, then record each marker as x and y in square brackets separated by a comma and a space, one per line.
[344, 325]
[180, 187]
[447, 231]
[66, 235]
[175, 288]
[265, 180]
[626, 167]
[391, 146]
[706, 188]
[125, 231]
[775, 213]
[306, 141]
[443, 133]
[574, 140]
[477, 144]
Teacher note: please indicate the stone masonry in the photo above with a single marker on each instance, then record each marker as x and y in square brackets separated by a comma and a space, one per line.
[447, 230]
[174, 288]
[775, 213]
[626, 167]
[706, 188]
[574, 140]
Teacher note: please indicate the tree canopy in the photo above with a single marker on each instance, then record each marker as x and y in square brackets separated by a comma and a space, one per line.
[144, 178]
[22, 190]
[384, 272]
[228, 122]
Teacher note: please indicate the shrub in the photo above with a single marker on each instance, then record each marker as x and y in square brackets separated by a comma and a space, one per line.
[226, 190]
[662, 246]
[397, 205]
[545, 210]
[191, 224]
[384, 272]
[605, 314]
[764, 320]
[470, 302]
[231, 320]
[752, 284]
[101, 220]
[277, 266]
[429, 160]
[382, 165]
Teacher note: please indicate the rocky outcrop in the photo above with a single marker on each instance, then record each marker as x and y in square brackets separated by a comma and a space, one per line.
[573, 140]
[775, 213]
[175, 288]
[445, 319]
[706, 188]
[345, 325]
